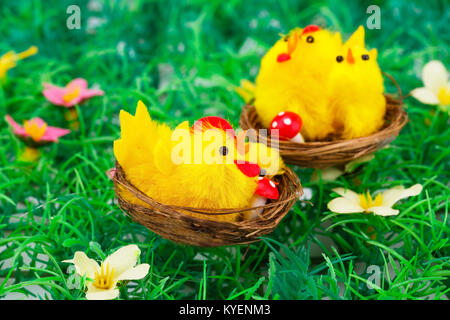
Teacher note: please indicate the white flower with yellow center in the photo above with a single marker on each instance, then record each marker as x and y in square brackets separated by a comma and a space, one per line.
[436, 90]
[351, 202]
[120, 265]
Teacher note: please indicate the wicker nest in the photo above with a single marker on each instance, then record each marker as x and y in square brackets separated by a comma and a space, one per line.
[320, 154]
[171, 223]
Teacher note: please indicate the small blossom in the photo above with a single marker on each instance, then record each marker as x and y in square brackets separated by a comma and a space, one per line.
[120, 265]
[306, 196]
[110, 173]
[29, 154]
[246, 90]
[36, 131]
[9, 59]
[94, 23]
[327, 174]
[436, 89]
[74, 93]
[351, 202]
[332, 173]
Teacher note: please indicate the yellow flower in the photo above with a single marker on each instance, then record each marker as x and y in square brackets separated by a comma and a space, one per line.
[436, 90]
[120, 265]
[9, 59]
[29, 154]
[351, 202]
[246, 90]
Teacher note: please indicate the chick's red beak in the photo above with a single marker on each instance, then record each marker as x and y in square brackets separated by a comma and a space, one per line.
[350, 58]
[248, 168]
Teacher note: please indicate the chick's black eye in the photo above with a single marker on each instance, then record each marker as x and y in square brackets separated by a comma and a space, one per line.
[223, 150]
[365, 57]
[262, 172]
[339, 58]
[310, 39]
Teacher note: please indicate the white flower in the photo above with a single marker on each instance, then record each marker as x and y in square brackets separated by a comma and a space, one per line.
[306, 196]
[332, 173]
[120, 265]
[351, 202]
[436, 90]
[327, 174]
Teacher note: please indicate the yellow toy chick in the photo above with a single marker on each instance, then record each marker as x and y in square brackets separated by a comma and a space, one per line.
[293, 77]
[196, 166]
[356, 84]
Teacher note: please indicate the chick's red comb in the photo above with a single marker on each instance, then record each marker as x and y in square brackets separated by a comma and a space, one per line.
[213, 122]
[310, 28]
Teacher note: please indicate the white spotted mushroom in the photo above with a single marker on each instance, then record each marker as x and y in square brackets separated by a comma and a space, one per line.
[289, 125]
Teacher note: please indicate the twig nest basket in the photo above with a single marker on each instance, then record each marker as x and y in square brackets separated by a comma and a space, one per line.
[320, 154]
[171, 223]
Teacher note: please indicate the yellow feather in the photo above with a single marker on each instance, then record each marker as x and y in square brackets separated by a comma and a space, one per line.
[357, 39]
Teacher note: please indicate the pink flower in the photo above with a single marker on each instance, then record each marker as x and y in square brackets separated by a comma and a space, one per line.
[36, 131]
[74, 93]
[111, 173]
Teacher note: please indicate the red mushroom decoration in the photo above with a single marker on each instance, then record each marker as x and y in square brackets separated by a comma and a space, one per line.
[289, 125]
[267, 189]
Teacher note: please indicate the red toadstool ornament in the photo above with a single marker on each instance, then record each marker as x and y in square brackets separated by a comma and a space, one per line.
[267, 189]
[289, 125]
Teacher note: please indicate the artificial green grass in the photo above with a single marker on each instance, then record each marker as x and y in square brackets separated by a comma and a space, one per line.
[183, 59]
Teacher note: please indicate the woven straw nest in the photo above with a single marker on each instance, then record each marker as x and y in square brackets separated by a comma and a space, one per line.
[320, 154]
[171, 223]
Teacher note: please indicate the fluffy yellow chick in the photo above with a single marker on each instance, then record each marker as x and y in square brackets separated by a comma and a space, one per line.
[293, 77]
[187, 166]
[357, 96]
